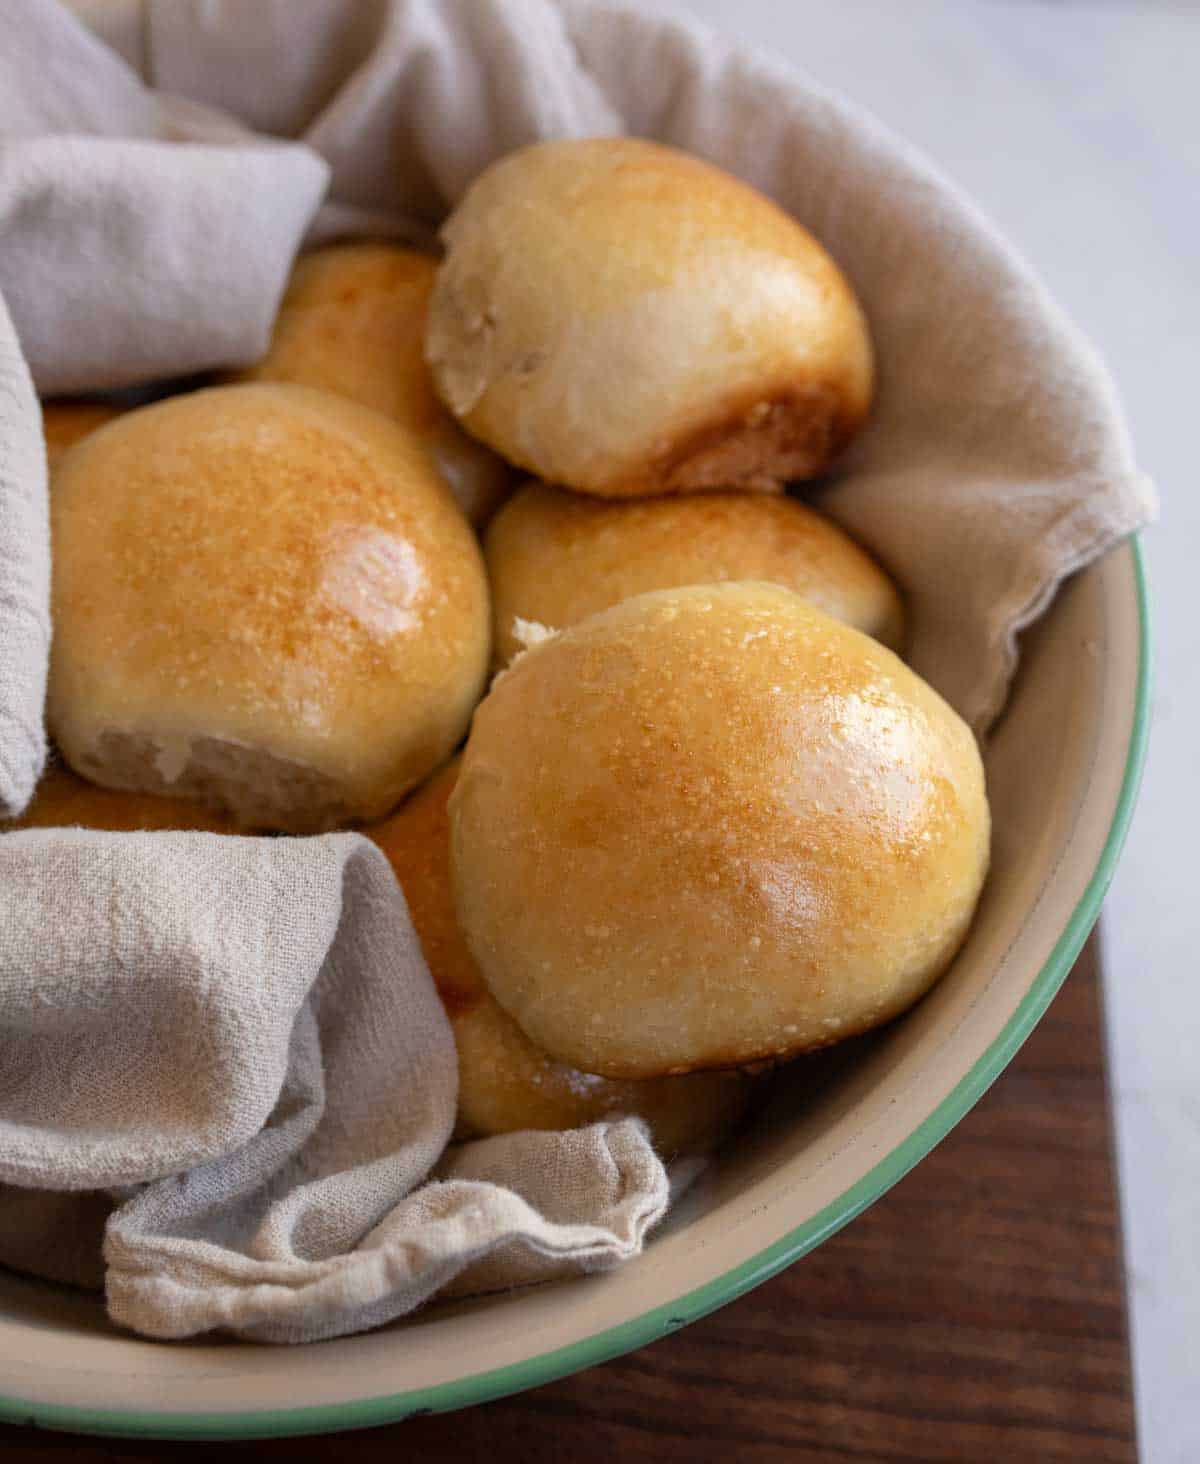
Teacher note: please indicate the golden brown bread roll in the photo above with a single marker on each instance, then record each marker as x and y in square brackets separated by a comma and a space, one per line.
[62, 800]
[555, 558]
[505, 1083]
[712, 826]
[353, 322]
[64, 423]
[264, 597]
[625, 319]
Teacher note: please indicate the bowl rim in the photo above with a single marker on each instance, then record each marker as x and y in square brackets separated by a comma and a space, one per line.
[661, 1320]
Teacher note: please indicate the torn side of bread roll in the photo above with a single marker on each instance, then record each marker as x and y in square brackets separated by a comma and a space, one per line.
[505, 1082]
[64, 800]
[625, 319]
[265, 598]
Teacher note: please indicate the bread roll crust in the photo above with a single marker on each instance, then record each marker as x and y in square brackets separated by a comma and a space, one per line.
[352, 321]
[555, 558]
[66, 423]
[737, 830]
[625, 319]
[505, 1083]
[264, 596]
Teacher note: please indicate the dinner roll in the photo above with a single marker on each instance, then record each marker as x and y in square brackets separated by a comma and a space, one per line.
[712, 826]
[353, 322]
[264, 597]
[62, 800]
[625, 319]
[555, 558]
[64, 423]
[504, 1082]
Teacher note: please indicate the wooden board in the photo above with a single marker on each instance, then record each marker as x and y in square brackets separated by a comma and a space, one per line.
[976, 1313]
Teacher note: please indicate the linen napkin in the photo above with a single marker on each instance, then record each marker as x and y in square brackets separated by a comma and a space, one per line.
[253, 1068]
[150, 203]
[24, 577]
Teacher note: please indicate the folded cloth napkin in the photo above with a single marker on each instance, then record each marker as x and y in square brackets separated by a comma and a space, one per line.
[226, 1053]
[254, 1067]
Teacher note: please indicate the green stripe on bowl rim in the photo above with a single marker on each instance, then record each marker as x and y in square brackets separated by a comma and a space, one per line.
[662, 1320]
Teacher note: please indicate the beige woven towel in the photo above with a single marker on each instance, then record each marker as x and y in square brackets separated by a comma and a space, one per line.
[238, 1042]
[238, 1037]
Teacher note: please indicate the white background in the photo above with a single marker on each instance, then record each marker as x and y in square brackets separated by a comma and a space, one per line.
[1076, 124]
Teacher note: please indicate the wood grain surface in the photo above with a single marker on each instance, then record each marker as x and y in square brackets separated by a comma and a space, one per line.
[976, 1313]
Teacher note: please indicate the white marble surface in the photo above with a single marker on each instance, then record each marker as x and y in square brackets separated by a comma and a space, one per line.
[1076, 124]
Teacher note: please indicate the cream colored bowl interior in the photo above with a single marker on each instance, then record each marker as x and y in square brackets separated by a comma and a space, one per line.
[834, 1133]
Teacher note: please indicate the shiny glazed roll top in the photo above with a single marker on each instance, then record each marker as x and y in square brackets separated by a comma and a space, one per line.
[264, 597]
[712, 826]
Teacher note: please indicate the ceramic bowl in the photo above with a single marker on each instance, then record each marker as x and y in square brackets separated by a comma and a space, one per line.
[1062, 768]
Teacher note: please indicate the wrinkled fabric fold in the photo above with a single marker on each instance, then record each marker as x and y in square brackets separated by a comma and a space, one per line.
[502, 1212]
[252, 1069]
